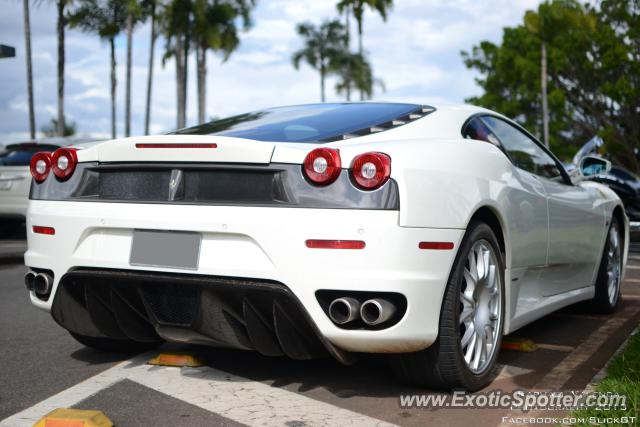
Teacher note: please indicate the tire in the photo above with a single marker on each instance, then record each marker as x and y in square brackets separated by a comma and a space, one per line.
[11, 228]
[113, 345]
[610, 272]
[443, 365]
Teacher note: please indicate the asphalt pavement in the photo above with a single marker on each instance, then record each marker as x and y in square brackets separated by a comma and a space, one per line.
[42, 367]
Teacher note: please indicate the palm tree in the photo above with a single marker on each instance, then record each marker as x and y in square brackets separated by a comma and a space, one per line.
[346, 71]
[136, 12]
[324, 46]
[27, 45]
[61, 6]
[106, 18]
[215, 28]
[357, 7]
[545, 24]
[355, 73]
[176, 26]
[151, 6]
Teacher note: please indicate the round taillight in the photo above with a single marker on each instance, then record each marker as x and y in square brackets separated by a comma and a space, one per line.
[40, 166]
[371, 170]
[322, 166]
[63, 162]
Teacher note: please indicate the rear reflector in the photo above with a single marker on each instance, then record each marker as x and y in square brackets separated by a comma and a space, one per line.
[44, 230]
[439, 246]
[335, 244]
[176, 145]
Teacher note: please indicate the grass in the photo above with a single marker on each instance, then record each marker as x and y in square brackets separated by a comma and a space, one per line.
[623, 377]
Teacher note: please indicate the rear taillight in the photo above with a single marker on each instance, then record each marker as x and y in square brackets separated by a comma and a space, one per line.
[63, 162]
[322, 166]
[40, 166]
[371, 170]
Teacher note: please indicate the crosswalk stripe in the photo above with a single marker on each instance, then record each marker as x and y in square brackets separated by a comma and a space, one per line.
[239, 399]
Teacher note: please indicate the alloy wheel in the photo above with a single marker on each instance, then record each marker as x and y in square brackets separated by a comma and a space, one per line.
[480, 307]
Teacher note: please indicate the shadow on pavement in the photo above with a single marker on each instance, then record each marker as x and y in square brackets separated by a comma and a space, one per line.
[94, 357]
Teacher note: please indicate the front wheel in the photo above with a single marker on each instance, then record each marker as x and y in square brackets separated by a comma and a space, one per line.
[471, 320]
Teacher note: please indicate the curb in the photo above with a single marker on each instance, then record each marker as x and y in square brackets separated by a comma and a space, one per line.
[602, 373]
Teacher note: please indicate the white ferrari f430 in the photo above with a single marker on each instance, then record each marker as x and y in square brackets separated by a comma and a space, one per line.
[423, 232]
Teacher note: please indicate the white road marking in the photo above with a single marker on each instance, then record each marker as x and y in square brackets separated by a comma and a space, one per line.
[555, 347]
[239, 399]
[508, 371]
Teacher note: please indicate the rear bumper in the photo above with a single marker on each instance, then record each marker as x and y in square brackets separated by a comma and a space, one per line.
[266, 244]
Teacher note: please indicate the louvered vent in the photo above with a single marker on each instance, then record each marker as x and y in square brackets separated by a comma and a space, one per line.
[414, 115]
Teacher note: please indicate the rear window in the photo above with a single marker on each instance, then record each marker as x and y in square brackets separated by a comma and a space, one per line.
[306, 123]
[20, 155]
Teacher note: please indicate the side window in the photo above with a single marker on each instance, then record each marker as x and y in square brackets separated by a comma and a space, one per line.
[525, 152]
[476, 129]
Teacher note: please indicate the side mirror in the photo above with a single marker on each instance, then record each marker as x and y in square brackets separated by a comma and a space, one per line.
[593, 165]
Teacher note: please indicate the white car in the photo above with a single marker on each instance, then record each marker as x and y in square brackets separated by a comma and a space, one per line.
[418, 231]
[15, 179]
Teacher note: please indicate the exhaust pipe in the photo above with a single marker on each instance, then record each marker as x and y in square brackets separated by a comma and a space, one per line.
[344, 310]
[42, 283]
[29, 279]
[376, 311]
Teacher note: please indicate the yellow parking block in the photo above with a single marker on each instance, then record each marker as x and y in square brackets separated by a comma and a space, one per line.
[176, 359]
[63, 417]
[518, 344]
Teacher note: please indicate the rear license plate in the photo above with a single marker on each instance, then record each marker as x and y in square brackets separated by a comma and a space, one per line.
[174, 249]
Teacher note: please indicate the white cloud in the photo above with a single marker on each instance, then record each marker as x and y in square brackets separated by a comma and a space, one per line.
[416, 53]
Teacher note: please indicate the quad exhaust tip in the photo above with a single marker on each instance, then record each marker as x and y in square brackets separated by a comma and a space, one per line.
[344, 310]
[29, 278]
[376, 311]
[42, 283]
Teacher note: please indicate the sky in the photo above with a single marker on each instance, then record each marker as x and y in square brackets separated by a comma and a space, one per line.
[416, 53]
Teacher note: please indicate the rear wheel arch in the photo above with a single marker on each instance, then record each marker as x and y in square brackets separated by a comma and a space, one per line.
[490, 216]
[618, 213]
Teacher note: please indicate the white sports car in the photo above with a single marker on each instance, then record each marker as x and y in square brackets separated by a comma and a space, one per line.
[423, 232]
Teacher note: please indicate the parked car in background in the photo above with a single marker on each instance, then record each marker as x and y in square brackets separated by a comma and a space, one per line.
[15, 178]
[625, 183]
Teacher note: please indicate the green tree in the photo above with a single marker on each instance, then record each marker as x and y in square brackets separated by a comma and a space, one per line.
[593, 67]
[215, 27]
[61, 8]
[51, 129]
[355, 73]
[547, 24]
[152, 9]
[324, 46]
[106, 18]
[357, 8]
[27, 48]
[176, 23]
[135, 13]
